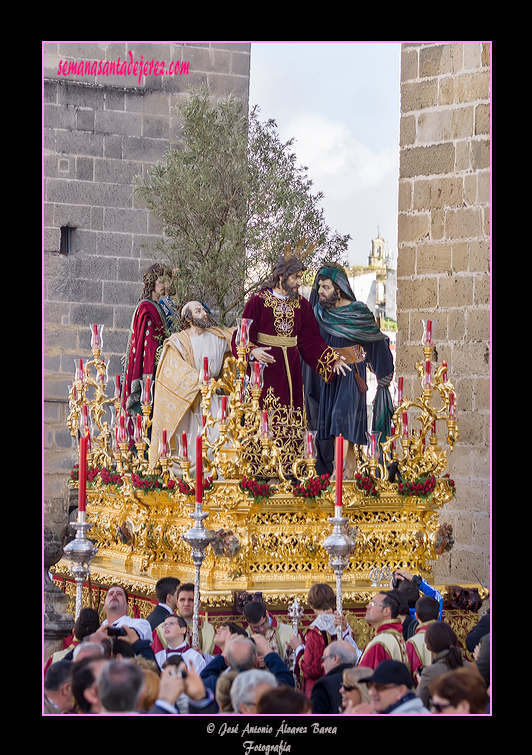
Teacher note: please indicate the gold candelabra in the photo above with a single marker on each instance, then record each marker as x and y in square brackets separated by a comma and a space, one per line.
[245, 441]
[140, 510]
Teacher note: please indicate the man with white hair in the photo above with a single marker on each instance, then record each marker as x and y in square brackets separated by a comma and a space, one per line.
[177, 396]
[248, 686]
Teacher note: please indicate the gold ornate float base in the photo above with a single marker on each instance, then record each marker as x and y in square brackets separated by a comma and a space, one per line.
[273, 546]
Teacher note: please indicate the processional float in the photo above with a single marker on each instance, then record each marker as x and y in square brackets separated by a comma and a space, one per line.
[273, 523]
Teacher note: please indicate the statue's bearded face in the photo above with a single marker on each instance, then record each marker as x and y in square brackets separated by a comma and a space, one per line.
[194, 314]
[291, 284]
[328, 293]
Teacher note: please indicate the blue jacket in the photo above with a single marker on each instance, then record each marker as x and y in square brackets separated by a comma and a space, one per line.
[426, 589]
[273, 662]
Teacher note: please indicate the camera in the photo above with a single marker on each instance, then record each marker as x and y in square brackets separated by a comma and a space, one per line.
[116, 632]
[395, 581]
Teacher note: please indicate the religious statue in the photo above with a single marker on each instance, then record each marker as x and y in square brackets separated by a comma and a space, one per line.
[149, 328]
[349, 327]
[282, 331]
[177, 394]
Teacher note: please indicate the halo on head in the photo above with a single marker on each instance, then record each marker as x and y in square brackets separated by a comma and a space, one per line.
[300, 252]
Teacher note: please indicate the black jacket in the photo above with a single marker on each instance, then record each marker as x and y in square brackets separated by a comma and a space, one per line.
[325, 695]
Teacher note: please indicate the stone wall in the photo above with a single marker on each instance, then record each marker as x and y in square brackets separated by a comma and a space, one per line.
[443, 266]
[102, 126]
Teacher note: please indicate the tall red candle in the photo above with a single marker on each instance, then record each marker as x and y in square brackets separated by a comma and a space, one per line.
[199, 470]
[451, 405]
[428, 367]
[264, 423]
[256, 374]
[243, 332]
[405, 424]
[339, 475]
[224, 407]
[82, 472]
[184, 446]
[164, 444]
[205, 369]
[147, 391]
[138, 434]
[399, 390]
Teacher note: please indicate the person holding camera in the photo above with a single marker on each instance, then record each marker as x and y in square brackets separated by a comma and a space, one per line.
[412, 586]
[115, 608]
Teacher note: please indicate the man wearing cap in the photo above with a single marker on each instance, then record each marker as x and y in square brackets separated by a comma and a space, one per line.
[390, 692]
[340, 406]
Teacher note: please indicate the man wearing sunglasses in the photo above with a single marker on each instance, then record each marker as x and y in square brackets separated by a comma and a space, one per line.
[390, 692]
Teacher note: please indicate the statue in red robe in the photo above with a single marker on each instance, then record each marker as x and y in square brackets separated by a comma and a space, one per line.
[283, 331]
[149, 328]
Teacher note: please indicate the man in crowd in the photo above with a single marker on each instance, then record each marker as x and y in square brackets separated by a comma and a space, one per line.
[248, 687]
[58, 696]
[427, 612]
[84, 678]
[390, 692]
[115, 608]
[325, 695]
[260, 621]
[242, 654]
[388, 642]
[166, 593]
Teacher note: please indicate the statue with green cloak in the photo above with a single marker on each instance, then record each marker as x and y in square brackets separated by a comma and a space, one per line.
[340, 406]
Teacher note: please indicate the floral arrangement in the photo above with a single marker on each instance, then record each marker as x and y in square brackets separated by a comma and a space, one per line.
[421, 487]
[451, 484]
[149, 482]
[260, 491]
[313, 487]
[188, 489]
[93, 473]
[367, 484]
[140, 482]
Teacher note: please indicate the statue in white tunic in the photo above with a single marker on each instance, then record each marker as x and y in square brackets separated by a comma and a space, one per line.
[177, 394]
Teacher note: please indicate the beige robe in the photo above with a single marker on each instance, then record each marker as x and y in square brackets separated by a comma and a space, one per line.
[177, 394]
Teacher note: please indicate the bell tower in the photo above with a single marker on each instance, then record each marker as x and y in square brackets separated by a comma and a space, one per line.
[376, 258]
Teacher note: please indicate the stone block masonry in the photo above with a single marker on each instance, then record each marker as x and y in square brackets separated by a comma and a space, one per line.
[105, 121]
[443, 266]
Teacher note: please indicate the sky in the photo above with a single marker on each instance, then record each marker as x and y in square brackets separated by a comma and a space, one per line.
[340, 101]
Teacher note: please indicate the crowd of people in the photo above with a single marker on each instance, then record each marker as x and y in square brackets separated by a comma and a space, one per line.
[414, 663]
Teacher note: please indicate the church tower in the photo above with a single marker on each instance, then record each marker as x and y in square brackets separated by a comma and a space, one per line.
[377, 258]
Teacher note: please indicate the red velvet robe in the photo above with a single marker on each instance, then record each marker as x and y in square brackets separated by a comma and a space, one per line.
[376, 653]
[283, 317]
[148, 331]
[309, 665]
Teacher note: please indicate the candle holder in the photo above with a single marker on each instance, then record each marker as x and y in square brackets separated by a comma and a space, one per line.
[80, 551]
[380, 576]
[295, 612]
[339, 545]
[198, 538]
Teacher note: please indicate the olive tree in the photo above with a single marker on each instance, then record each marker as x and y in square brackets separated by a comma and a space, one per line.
[230, 196]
